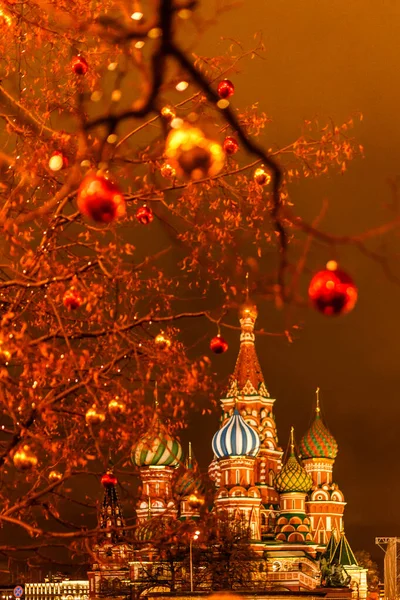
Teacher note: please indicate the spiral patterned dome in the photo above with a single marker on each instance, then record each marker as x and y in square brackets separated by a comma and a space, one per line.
[236, 438]
[157, 448]
[318, 442]
[293, 477]
[190, 481]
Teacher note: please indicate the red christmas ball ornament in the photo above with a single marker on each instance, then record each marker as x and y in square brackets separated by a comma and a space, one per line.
[218, 345]
[79, 65]
[72, 298]
[144, 215]
[225, 89]
[108, 479]
[332, 292]
[100, 199]
[58, 161]
[230, 145]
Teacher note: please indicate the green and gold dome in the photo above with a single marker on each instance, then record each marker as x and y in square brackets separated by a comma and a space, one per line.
[190, 481]
[318, 442]
[292, 477]
[157, 448]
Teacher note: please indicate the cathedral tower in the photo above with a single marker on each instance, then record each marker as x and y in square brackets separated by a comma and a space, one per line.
[293, 483]
[235, 447]
[157, 454]
[318, 450]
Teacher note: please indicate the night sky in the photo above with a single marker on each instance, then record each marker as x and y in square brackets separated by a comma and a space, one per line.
[332, 60]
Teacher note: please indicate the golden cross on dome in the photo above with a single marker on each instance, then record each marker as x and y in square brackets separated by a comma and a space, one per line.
[247, 285]
[317, 409]
[156, 395]
[292, 439]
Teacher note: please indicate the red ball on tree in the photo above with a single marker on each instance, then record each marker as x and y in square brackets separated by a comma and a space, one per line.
[79, 65]
[144, 215]
[218, 345]
[230, 145]
[100, 199]
[332, 292]
[225, 89]
[108, 479]
[72, 298]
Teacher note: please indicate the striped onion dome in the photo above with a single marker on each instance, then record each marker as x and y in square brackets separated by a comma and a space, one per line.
[318, 442]
[157, 448]
[292, 477]
[236, 438]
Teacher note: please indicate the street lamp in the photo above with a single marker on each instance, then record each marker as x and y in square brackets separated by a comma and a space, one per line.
[193, 537]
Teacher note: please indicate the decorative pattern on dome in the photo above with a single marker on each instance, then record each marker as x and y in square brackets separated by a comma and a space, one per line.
[236, 438]
[292, 477]
[157, 448]
[318, 442]
[111, 512]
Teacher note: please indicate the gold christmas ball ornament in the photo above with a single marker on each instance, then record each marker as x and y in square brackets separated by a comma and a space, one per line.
[116, 407]
[94, 416]
[192, 154]
[5, 353]
[168, 113]
[162, 341]
[168, 171]
[55, 476]
[195, 501]
[261, 176]
[24, 459]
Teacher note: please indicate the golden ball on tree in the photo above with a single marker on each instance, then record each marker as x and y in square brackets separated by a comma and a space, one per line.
[94, 416]
[168, 113]
[116, 407]
[261, 176]
[54, 476]
[195, 501]
[162, 341]
[168, 171]
[192, 154]
[25, 459]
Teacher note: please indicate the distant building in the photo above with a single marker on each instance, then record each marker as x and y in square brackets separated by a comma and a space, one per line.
[58, 590]
[290, 503]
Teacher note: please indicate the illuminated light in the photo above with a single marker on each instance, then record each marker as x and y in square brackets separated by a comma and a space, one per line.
[116, 407]
[5, 17]
[139, 45]
[168, 113]
[168, 172]
[112, 66]
[222, 104]
[331, 265]
[176, 123]
[182, 86]
[137, 16]
[261, 177]
[93, 417]
[155, 33]
[162, 341]
[96, 96]
[197, 532]
[112, 138]
[24, 459]
[116, 95]
[185, 14]
[85, 163]
[57, 161]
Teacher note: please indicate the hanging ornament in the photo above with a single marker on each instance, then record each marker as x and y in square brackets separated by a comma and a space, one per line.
[5, 352]
[168, 171]
[218, 345]
[58, 161]
[230, 145]
[72, 298]
[168, 113]
[24, 459]
[144, 215]
[109, 479]
[261, 176]
[116, 407]
[332, 292]
[100, 199]
[225, 89]
[192, 154]
[162, 341]
[79, 65]
[94, 417]
[54, 476]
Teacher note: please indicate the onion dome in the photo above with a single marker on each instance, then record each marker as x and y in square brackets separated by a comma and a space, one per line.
[318, 442]
[111, 513]
[236, 438]
[157, 448]
[292, 477]
[190, 481]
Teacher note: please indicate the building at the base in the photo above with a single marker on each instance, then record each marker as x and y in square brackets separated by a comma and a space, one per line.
[290, 502]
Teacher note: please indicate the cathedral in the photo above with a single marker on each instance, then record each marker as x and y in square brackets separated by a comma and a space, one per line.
[289, 501]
